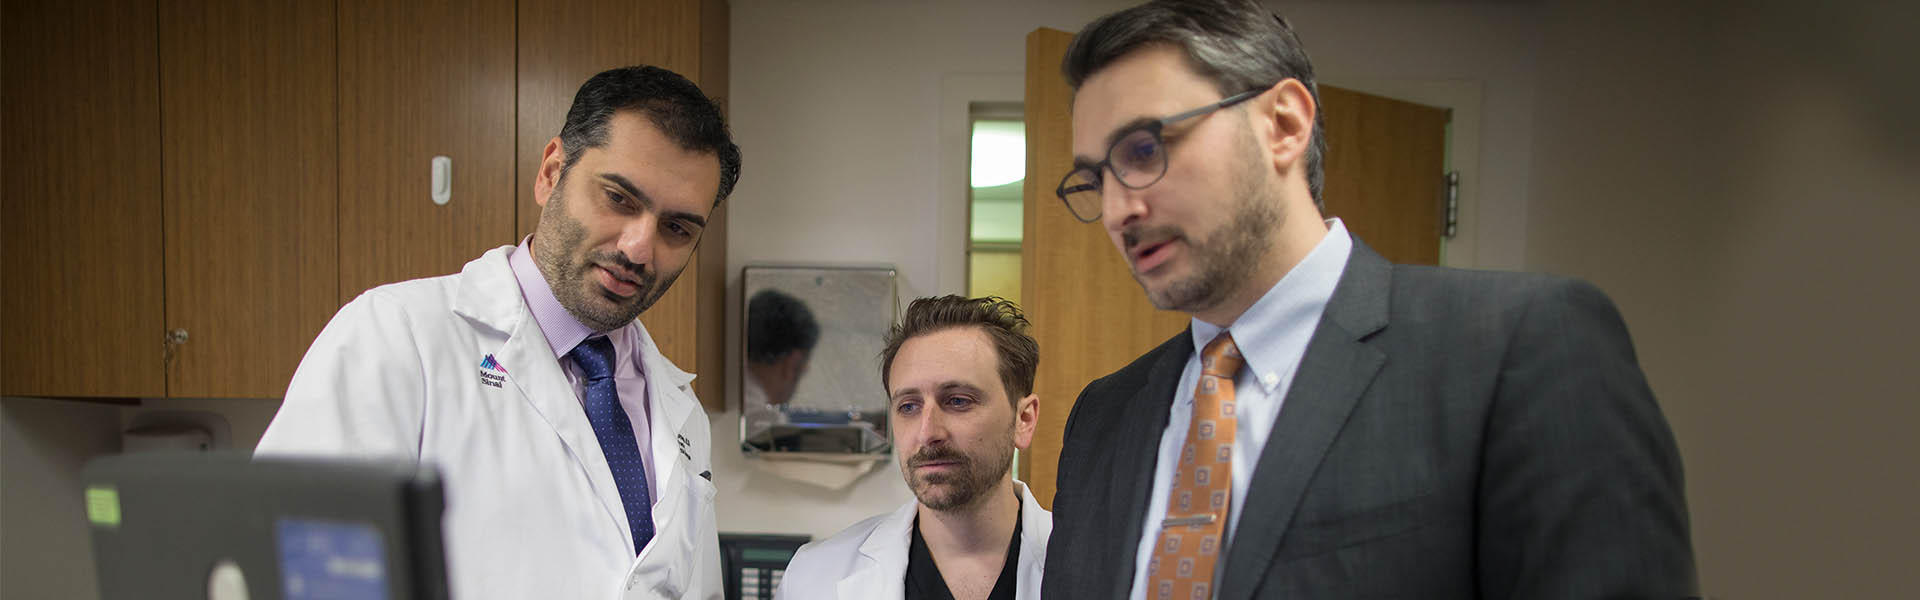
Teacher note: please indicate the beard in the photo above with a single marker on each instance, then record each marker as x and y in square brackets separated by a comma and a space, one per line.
[967, 482]
[1226, 258]
[555, 243]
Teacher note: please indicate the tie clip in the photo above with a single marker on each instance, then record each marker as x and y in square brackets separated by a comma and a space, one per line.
[1205, 519]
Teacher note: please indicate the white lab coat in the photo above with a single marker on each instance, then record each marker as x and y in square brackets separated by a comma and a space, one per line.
[869, 559]
[531, 507]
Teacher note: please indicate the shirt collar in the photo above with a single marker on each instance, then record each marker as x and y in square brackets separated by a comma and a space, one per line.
[1272, 334]
[562, 330]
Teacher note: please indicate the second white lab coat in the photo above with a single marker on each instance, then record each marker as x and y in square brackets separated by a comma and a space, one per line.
[455, 372]
[869, 559]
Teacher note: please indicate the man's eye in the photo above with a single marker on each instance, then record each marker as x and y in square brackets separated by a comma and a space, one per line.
[907, 408]
[615, 198]
[1142, 152]
[960, 401]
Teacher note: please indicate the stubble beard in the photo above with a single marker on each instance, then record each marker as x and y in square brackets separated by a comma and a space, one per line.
[967, 483]
[1226, 259]
[558, 237]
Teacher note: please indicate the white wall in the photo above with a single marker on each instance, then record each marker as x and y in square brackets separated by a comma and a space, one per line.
[1741, 180]
[45, 551]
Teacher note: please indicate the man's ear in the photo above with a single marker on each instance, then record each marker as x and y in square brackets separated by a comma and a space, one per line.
[1291, 113]
[1026, 418]
[552, 159]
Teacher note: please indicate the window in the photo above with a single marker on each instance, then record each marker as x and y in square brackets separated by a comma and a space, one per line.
[998, 175]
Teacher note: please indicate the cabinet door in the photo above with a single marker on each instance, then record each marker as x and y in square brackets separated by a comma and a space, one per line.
[81, 312]
[250, 156]
[562, 43]
[419, 80]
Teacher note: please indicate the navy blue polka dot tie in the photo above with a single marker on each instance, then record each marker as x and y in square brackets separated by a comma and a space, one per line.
[595, 359]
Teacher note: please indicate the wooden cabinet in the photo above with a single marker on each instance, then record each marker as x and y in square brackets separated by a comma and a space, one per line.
[249, 154]
[189, 189]
[419, 80]
[80, 263]
[271, 161]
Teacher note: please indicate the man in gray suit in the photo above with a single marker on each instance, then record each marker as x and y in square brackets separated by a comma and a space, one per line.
[1332, 425]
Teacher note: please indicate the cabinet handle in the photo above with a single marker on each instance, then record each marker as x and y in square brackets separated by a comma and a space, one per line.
[442, 180]
[172, 340]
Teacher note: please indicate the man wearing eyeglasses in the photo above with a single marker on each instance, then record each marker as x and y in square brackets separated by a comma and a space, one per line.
[1331, 425]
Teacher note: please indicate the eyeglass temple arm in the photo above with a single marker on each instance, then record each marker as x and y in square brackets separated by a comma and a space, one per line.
[1223, 103]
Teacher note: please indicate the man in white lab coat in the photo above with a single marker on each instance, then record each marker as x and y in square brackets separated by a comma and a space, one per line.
[959, 373]
[575, 457]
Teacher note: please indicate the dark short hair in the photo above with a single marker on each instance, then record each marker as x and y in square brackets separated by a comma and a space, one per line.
[673, 104]
[1238, 45]
[778, 323]
[999, 318]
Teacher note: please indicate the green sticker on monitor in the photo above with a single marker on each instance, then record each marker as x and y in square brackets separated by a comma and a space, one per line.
[103, 506]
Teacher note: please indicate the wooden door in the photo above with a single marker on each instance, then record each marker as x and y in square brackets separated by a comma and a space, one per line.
[564, 42]
[1089, 315]
[419, 80]
[81, 310]
[249, 157]
[1385, 163]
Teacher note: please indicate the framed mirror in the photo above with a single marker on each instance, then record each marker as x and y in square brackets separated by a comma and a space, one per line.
[810, 376]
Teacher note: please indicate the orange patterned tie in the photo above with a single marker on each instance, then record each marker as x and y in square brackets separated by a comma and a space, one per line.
[1191, 536]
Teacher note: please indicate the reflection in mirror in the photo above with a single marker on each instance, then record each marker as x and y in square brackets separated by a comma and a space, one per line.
[809, 380]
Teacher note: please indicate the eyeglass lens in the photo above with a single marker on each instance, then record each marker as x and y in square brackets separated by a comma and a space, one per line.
[1138, 159]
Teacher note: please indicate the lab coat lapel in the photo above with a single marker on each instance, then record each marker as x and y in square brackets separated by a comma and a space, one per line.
[1036, 526]
[670, 404]
[882, 571]
[490, 296]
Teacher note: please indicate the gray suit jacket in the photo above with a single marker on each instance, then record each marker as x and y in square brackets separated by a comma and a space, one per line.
[1449, 434]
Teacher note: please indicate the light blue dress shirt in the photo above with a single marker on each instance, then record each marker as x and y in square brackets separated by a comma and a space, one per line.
[1272, 335]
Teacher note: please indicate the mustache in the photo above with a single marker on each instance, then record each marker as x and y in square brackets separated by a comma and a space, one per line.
[1134, 234]
[932, 454]
[620, 265]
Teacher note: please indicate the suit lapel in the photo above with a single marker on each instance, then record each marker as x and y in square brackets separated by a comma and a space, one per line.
[1337, 367]
[669, 407]
[1136, 451]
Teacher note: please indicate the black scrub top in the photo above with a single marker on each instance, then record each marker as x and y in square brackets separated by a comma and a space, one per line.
[923, 576]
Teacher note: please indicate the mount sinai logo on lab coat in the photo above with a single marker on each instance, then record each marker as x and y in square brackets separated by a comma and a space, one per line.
[491, 373]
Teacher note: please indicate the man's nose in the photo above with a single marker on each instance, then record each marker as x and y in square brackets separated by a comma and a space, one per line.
[637, 238]
[1120, 205]
[933, 428]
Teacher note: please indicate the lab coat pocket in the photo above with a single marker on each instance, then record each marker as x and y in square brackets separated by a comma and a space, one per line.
[696, 532]
[667, 567]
